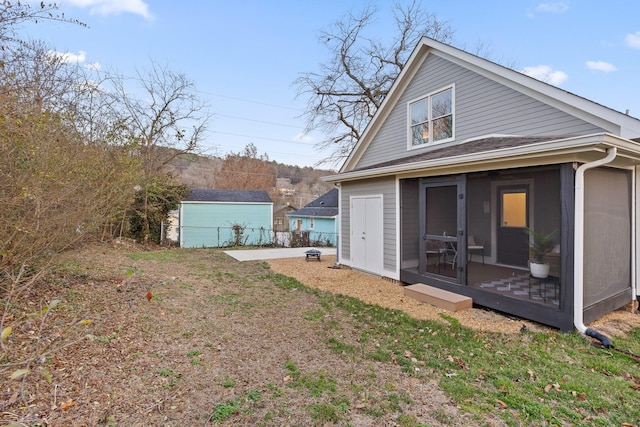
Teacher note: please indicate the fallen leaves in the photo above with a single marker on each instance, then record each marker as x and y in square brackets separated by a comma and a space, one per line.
[19, 373]
[554, 386]
[458, 361]
[149, 295]
[68, 404]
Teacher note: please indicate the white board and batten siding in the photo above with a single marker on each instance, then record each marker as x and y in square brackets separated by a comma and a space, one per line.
[373, 195]
[482, 106]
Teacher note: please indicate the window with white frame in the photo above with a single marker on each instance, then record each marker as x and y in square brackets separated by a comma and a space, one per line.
[311, 223]
[431, 118]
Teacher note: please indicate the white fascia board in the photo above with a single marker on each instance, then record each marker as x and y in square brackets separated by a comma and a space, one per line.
[213, 202]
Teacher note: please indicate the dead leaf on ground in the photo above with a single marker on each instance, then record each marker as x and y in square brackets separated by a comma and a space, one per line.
[66, 405]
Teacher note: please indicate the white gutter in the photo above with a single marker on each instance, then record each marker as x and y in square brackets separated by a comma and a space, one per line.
[578, 247]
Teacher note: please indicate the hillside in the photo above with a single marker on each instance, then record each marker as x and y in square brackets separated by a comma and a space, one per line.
[295, 185]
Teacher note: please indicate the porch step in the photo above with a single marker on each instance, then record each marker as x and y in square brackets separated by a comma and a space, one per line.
[438, 297]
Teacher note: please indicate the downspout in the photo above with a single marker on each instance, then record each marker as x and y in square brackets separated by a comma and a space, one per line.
[578, 247]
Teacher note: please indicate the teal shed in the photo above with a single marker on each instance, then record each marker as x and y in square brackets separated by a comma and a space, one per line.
[223, 218]
[317, 222]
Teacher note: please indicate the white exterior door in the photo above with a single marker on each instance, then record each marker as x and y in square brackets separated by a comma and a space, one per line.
[366, 233]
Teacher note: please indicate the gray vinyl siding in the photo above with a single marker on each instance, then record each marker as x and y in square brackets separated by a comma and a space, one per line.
[386, 187]
[482, 107]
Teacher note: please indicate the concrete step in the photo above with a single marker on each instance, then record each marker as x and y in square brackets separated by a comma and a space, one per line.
[438, 297]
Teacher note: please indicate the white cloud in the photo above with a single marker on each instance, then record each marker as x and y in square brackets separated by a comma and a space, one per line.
[68, 57]
[601, 66]
[95, 66]
[80, 57]
[633, 40]
[546, 74]
[114, 7]
[303, 137]
[557, 7]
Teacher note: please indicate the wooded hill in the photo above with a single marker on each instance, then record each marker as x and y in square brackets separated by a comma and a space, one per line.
[285, 183]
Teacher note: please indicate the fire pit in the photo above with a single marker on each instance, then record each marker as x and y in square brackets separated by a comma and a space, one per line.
[312, 254]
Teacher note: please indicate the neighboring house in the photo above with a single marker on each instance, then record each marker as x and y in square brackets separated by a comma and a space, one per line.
[464, 149]
[280, 220]
[222, 218]
[285, 188]
[316, 223]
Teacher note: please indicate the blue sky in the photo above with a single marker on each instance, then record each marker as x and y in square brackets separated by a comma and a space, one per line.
[245, 55]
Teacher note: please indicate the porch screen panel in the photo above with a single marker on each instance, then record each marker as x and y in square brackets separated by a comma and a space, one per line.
[409, 225]
[607, 238]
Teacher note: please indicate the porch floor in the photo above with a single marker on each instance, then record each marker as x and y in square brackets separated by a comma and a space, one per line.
[513, 282]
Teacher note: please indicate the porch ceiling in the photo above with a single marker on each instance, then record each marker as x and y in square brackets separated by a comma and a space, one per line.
[502, 152]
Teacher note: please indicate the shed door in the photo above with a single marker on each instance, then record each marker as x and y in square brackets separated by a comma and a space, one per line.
[366, 233]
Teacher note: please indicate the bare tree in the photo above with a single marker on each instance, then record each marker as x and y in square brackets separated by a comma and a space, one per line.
[160, 109]
[35, 73]
[246, 171]
[15, 13]
[166, 120]
[347, 91]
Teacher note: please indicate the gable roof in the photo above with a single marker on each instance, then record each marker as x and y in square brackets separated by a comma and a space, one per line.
[229, 196]
[612, 121]
[325, 206]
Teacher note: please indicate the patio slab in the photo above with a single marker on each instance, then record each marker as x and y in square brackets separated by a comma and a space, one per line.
[274, 253]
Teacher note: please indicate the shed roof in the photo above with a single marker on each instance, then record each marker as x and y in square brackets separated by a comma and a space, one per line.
[324, 206]
[230, 196]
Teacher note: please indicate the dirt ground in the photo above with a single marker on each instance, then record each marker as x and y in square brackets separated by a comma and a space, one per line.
[193, 337]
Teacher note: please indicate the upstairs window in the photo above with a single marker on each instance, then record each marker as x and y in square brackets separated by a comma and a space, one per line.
[431, 119]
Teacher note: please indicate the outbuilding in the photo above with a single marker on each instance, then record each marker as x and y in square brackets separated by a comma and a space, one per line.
[224, 218]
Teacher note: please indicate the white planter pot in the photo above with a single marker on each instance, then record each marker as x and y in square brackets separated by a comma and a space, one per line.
[540, 271]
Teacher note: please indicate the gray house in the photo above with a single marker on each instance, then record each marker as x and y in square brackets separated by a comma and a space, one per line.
[462, 158]
[221, 218]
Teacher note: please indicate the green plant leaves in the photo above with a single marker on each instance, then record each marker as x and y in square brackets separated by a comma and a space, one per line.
[6, 332]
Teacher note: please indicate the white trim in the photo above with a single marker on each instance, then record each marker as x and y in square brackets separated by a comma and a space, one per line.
[213, 202]
[634, 220]
[339, 240]
[180, 225]
[398, 236]
[493, 256]
[429, 96]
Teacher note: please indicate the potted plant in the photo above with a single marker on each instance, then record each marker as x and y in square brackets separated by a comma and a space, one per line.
[540, 244]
